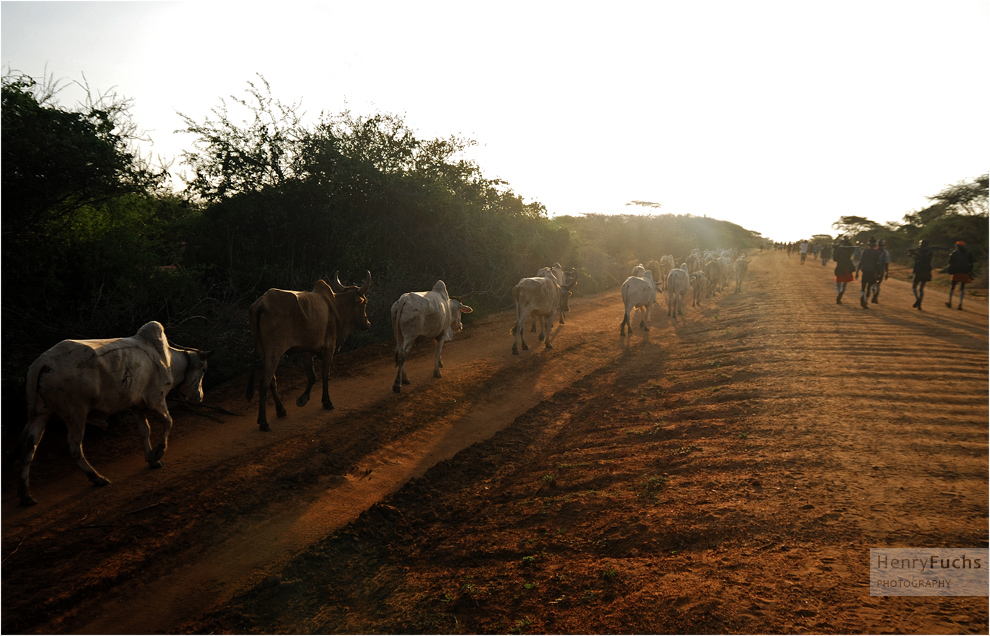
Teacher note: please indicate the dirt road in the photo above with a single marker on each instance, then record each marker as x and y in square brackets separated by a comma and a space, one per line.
[727, 472]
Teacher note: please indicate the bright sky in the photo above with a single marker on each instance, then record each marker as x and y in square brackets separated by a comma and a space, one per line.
[778, 115]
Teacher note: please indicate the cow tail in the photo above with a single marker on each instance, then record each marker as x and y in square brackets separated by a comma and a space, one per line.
[397, 330]
[515, 300]
[35, 373]
[249, 394]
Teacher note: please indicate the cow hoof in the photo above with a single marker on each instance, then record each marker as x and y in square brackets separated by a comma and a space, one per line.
[263, 426]
[28, 501]
[101, 481]
[406, 381]
[549, 346]
[437, 374]
[525, 347]
[397, 388]
[515, 351]
[156, 455]
[542, 336]
[302, 400]
[155, 464]
[280, 413]
[328, 406]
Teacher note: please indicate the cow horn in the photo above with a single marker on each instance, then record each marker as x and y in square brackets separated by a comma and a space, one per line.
[367, 284]
[464, 296]
[340, 285]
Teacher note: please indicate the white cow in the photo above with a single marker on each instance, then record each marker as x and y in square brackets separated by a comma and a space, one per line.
[432, 314]
[539, 297]
[566, 279]
[699, 283]
[666, 264]
[678, 287]
[713, 272]
[638, 270]
[638, 293]
[741, 267]
[84, 381]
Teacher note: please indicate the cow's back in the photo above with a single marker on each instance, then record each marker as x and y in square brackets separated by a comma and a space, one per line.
[539, 294]
[107, 376]
[290, 320]
[421, 313]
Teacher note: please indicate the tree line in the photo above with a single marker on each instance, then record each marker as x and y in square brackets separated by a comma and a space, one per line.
[957, 213]
[96, 243]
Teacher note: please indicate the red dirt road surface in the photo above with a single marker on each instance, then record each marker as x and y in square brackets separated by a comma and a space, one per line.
[726, 472]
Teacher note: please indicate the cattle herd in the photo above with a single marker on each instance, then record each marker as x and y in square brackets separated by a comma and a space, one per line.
[86, 381]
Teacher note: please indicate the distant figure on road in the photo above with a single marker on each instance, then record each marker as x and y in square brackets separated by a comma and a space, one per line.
[961, 269]
[922, 256]
[804, 251]
[883, 272]
[869, 265]
[843, 268]
[826, 255]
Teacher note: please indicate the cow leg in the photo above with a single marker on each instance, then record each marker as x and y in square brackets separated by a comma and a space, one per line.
[310, 381]
[548, 326]
[625, 322]
[400, 361]
[646, 320]
[265, 384]
[162, 415]
[279, 407]
[326, 359]
[75, 426]
[438, 363]
[30, 437]
[517, 335]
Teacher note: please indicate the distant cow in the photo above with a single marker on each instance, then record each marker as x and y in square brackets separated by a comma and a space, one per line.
[699, 283]
[678, 287]
[566, 278]
[84, 381]
[638, 293]
[638, 270]
[666, 264]
[540, 297]
[654, 267]
[741, 267]
[432, 314]
[315, 322]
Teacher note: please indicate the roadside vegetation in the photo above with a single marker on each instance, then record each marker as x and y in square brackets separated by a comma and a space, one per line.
[97, 240]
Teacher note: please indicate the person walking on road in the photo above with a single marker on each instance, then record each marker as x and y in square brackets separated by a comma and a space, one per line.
[883, 272]
[826, 255]
[961, 269]
[804, 251]
[869, 266]
[843, 267]
[922, 256]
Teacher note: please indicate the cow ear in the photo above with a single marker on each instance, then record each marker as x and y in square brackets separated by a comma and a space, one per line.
[204, 355]
[465, 309]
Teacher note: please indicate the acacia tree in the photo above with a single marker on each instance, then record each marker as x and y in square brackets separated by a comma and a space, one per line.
[856, 225]
[228, 159]
[966, 197]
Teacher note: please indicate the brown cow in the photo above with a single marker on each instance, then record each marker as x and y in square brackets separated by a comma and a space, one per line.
[315, 322]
